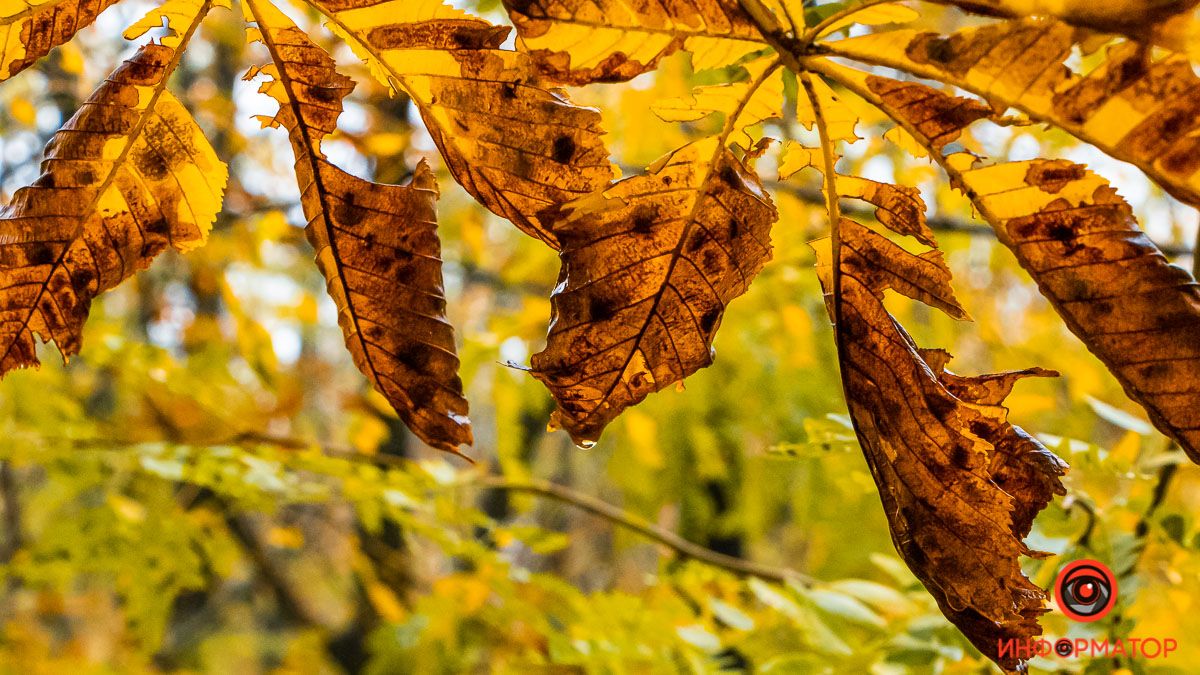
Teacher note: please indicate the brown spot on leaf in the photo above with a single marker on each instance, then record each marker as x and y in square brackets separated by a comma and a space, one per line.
[564, 149]
[1053, 175]
[600, 308]
[41, 254]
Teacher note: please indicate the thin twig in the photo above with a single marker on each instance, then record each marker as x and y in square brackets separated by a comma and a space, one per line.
[623, 518]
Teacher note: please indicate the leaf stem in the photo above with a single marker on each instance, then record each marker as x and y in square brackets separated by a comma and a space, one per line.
[832, 203]
[788, 47]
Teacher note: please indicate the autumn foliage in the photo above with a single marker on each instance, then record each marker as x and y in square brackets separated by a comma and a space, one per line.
[651, 260]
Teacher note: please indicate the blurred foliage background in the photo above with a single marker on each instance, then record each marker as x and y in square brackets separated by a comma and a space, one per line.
[212, 487]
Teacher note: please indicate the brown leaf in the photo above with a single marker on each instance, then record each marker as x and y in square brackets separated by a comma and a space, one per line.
[110, 198]
[585, 41]
[28, 31]
[959, 483]
[1137, 108]
[939, 117]
[376, 245]
[1134, 310]
[645, 279]
[516, 147]
[898, 207]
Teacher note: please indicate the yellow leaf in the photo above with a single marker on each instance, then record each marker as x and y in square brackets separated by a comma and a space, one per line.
[127, 508]
[1125, 452]
[796, 157]
[70, 59]
[840, 119]
[798, 326]
[367, 434]
[877, 15]
[386, 144]
[906, 142]
[757, 99]
[385, 602]
[178, 15]
[471, 592]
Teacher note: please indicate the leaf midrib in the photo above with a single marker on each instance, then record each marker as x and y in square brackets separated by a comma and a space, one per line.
[690, 223]
[117, 165]
[314, 163]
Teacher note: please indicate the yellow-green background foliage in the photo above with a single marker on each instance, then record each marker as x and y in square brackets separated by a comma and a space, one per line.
[187, 494]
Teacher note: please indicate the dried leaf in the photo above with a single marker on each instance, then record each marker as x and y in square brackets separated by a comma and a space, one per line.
[517, 148]
[1133, 309]
[1137, 108]
[645, 280]
[959, 483]
[937, 117]
[898, 207]
[30, 29]
[585, 41]
[376, 245]
[111, 197]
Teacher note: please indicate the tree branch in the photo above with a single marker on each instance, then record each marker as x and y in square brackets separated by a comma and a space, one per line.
[561, 493]
[622, 518]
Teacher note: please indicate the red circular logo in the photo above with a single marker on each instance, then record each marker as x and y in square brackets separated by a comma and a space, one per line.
[1085, 590]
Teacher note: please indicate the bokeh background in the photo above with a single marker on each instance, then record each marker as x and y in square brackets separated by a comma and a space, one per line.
[212, 487]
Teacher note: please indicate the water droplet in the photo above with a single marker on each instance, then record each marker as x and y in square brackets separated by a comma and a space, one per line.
[585, 444]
